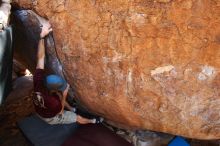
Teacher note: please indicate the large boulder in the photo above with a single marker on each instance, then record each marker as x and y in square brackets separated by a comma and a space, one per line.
[143, 64]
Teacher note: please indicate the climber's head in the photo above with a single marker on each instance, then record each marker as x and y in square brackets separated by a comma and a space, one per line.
[55, 83]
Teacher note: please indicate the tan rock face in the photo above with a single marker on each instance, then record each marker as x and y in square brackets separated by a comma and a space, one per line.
[142, 63]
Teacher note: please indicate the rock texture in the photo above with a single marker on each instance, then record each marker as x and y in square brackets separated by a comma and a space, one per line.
[144, 64]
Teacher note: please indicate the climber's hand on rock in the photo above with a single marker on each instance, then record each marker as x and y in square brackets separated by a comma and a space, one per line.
[45, 29]
[82, 120]
[3, 20]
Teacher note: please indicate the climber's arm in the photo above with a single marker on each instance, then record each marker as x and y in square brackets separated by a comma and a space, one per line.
[68, 106]
[40, 55]
[46, 29]
[39, 73]
[64, 96]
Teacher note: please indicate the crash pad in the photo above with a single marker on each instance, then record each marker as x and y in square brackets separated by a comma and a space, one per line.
[6, 60]
[95, 135]
[39, 133]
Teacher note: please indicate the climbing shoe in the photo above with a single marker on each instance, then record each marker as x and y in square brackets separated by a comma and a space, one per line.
[99, 120]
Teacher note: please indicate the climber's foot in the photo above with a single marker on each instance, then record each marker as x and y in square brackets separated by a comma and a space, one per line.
[97, 120]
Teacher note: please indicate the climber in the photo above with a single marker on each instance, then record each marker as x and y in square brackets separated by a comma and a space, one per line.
[50, 91]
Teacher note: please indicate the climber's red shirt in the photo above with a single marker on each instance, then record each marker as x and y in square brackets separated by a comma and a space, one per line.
[46, 105]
